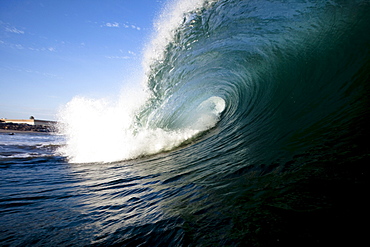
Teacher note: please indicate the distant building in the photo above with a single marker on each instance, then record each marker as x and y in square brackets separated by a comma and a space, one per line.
[29, 121]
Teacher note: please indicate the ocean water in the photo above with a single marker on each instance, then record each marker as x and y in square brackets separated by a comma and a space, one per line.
[250, 128]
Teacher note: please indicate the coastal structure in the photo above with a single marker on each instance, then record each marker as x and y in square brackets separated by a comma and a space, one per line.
[31, 121]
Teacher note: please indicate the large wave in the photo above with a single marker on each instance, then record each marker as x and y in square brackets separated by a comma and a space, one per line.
[274, 78]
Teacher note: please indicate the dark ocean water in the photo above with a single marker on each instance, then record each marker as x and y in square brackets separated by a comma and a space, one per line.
[255, 133]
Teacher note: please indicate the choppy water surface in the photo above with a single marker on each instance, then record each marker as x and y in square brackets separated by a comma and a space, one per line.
[253, 131]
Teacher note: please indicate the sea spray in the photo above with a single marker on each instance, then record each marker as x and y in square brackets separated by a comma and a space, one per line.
[99, 130]
[174, 14]
[256, 63]
[106, 130]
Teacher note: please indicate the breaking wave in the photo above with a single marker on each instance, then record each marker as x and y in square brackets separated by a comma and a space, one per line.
[252, 75]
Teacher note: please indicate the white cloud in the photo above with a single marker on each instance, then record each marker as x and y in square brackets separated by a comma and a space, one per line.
[31, 71]
[10, 28]
[23, 47]
[117, 57]
[114, 24]
[135, 27]
[14, 30]
[13, 46]
[19, 46]
[129, 52]
[51, 49]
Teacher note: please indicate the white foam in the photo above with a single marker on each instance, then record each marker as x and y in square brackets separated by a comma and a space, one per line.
[102, 130]
[98, 130]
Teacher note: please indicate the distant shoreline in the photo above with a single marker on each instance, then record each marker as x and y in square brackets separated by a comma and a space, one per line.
[23, 131]
[21, 127]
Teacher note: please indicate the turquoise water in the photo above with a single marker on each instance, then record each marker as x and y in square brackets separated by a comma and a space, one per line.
[253, 131]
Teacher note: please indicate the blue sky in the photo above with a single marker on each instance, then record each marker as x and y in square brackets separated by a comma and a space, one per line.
[53, 50]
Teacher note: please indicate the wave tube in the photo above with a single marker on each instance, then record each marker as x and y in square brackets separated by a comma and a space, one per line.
[274, 77]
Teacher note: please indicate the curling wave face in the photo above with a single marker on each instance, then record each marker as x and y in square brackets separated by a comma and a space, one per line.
[274, 77]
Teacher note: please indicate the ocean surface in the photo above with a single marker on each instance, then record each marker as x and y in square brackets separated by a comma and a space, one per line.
[250, 128]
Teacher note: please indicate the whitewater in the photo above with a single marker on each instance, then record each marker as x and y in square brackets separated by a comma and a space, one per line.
[250, 127]
[127, 137]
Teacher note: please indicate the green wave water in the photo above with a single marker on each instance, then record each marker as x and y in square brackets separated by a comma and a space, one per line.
[282, 71]
[289, 72]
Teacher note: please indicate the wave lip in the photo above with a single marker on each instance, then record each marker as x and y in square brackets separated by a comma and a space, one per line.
[267, 69]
